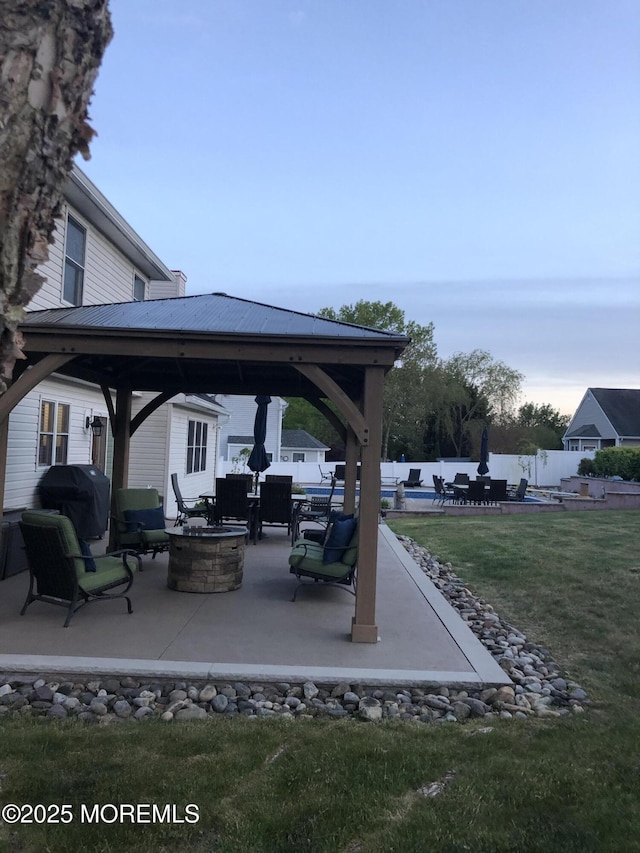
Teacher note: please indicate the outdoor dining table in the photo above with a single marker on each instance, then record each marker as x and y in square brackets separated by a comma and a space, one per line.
[253, 498]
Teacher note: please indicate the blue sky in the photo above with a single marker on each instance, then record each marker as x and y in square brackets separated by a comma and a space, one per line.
[477, 162]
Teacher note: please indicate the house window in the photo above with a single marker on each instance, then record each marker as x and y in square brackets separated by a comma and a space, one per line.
[74, 262]
[196, 447]
[139, 288]
[298, 457]
[53, 437]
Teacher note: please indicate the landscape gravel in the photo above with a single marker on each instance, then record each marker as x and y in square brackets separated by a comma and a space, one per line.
[538, 687]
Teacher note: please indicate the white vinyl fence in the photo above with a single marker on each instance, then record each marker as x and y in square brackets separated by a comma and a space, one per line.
[546, 469]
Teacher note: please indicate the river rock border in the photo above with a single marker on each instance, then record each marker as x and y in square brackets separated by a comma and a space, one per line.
[538, 690]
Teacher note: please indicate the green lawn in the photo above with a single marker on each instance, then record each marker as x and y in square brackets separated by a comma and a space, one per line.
[572, 784]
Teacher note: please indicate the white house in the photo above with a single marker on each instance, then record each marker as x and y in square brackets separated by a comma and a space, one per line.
[97, 258]
[281, 445]
[606, 417]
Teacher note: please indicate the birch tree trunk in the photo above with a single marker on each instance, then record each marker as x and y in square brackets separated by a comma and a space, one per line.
[50, 53]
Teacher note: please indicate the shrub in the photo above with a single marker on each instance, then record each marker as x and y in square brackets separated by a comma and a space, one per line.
[586, 468]
[618, 462]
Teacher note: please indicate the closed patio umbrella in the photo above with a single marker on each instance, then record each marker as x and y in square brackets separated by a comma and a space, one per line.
[258, 459]
[483, 467]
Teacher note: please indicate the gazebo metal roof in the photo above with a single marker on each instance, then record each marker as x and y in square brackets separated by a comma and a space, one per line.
[196, 344]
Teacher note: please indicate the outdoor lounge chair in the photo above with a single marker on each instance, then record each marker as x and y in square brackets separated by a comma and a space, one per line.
[332, 563]
[184, 510]
[414, 478]
[139, 521]
[61, 573]
[519, 493]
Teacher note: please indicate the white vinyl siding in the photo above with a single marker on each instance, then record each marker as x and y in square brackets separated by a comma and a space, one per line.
[23, 471]
[589, 412]
[108, 274]
[243, 414]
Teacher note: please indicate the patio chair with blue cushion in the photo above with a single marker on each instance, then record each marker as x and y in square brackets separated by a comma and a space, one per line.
[332, 563]
[66, 574]
[139, 521]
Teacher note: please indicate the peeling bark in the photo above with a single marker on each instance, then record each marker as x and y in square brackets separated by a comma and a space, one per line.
[50, 53]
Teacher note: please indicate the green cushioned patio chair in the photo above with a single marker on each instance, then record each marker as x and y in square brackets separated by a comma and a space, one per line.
[139, 521]
[60, 573]
[309, 559]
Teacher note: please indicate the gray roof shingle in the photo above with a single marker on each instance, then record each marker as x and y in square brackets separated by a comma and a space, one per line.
[300, 438]
[622, 407]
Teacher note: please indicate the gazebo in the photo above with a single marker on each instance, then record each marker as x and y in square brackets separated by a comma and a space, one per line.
[214, 343]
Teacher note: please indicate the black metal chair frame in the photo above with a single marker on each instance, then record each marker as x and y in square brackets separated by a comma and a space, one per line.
[443, 493]
[184, 510]
[346, 581]
[315, 509]
[52, 570]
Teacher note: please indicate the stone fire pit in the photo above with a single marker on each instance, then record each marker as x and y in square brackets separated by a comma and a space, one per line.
[206, 559]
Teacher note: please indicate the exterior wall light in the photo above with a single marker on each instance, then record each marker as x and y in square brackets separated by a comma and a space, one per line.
[96, 426]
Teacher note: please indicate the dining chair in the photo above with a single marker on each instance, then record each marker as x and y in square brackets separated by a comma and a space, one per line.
[232, 501]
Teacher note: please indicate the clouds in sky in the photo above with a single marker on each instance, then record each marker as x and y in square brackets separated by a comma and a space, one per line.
[476, 163]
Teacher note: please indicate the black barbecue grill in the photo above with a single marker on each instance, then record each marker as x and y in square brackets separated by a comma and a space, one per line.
[80, 492]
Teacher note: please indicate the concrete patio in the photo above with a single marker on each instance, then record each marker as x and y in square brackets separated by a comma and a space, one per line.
[255, 632]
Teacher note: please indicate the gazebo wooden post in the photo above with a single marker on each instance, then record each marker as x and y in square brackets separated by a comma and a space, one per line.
[121, 445]
[363, 625]
[352, 453]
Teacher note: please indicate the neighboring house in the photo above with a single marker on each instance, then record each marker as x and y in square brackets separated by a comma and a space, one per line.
[606, 417]
[298, 446]
[97, 258]
[281, 445]
[236, 433]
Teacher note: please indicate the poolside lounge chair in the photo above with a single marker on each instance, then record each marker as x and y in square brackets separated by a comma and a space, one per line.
[414, 478]
[519, 493]
[63, 573]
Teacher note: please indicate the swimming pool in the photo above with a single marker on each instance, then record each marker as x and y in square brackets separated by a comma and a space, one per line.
[389, 493]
